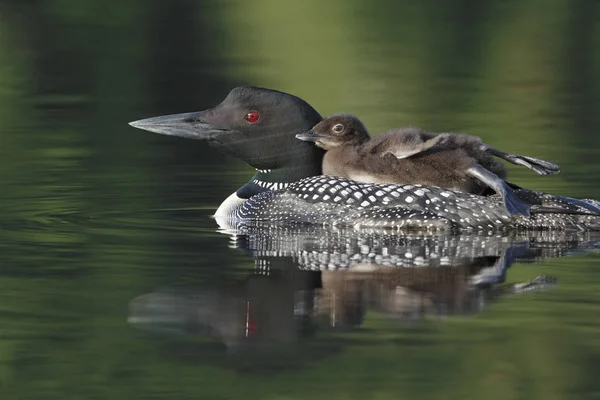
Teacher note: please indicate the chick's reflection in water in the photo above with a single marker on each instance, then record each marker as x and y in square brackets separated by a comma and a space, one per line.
[281, 304]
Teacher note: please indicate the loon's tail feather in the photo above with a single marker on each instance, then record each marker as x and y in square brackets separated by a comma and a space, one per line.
[544, 203]
[560, 210]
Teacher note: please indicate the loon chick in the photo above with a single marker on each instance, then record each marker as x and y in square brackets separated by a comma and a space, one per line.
[411, 155]
[347, 130]
[259, 126]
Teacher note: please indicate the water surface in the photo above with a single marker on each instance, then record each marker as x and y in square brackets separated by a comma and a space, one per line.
[116, 282]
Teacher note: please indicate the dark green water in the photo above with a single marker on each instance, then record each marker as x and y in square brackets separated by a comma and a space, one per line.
[95, 214]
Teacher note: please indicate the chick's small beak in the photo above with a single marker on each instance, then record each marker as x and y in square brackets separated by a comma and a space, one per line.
[310, 136]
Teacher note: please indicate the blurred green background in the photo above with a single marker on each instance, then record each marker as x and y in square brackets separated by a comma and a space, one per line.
[90, 209]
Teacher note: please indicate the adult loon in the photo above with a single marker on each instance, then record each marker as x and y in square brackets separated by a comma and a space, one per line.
[410, 155]
[260, 127]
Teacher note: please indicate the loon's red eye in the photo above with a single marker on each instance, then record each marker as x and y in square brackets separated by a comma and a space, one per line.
[252, 117]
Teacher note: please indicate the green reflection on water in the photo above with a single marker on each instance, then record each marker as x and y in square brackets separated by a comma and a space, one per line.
[85, 205]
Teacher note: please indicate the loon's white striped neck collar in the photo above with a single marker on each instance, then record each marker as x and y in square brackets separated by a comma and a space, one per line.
[271, 185]
[265, 179]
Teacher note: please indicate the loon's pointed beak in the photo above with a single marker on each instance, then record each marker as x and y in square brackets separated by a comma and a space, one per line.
[189, 125]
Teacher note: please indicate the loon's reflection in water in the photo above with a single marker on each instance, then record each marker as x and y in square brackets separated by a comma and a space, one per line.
[309, 279]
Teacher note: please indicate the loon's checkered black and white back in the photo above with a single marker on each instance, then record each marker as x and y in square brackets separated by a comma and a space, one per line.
[338, 201]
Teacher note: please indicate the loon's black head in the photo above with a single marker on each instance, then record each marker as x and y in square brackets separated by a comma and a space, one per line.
[254, 124]
[337, 130]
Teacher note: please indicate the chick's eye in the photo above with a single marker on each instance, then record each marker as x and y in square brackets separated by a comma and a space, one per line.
[338, 128]
[252, 117]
